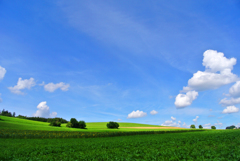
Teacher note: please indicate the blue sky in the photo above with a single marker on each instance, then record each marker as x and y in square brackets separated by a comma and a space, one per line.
[169, 63]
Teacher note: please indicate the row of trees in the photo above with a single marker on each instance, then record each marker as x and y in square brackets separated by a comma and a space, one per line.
[200, 127]
[232, 127]
[73, 123]
[6, 113]
[10, 114]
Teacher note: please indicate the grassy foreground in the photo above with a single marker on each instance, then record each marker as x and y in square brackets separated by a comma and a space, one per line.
[23, 124]
[205, 145]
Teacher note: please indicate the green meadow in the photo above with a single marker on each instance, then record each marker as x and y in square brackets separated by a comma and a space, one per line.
[24, 124]
[23, 139]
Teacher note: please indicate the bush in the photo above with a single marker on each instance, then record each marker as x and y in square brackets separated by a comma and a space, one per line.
[74, 123]
[112, 125]
[192, 127]
[231, 127]
[213, 127]
[69, 124]
[55, 123]
[82, 124]
[200, 127]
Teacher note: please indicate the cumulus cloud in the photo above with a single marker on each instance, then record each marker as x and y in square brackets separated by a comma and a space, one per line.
[136, 114]
[44, 111]
[229, 102]
[2, 72]
[153, 112]
[179, 122]
[230, 109]
[218, 72]
[22, 84]
[183, 100]
[216, 61]
[51, 87]
[234, 91]
[195, 120]
[206, 80]
[173, 118]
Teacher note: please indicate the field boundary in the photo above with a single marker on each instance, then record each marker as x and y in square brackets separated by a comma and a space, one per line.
[32, 134]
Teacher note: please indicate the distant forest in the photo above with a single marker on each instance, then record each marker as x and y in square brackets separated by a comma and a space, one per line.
[10, 114]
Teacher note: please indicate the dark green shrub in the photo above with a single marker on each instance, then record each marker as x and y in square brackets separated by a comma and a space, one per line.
[74, 123]
[69, 124]
[112, 125]
[231, 127]
[200, 126]
[213, 127]
[82, 124]
[192, 127]
[55, 123]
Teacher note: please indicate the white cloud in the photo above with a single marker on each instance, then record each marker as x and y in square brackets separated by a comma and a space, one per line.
[238, 125]
[230, 109]
[207, 126]
[136, 114]
[170, 123]
[22, 84]
[185, 125]
[173, 118]
[44, 111]
[51, 87]
[179, 122]
[229, 102]
[153, 112]
[234, 91]
[119, 119]
[2, 72]
[183, 100]
[215, 61]
[217, 72]
[195, 120]
[206, 80]
[218, 124]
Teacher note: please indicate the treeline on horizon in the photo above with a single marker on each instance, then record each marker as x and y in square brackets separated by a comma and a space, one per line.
[57, 121]
[42, 119]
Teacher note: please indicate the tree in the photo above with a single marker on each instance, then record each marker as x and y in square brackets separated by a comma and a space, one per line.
[74, 123]
[82, 124]
[213, 127]
[14, 114]
[55, 123]
[112, 125]
[192, 126]
[69, 124]
[200, 127]
[231, 127]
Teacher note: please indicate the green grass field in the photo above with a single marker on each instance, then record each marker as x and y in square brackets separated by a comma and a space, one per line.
[23, 124]
[22, 139]
[221, 145]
